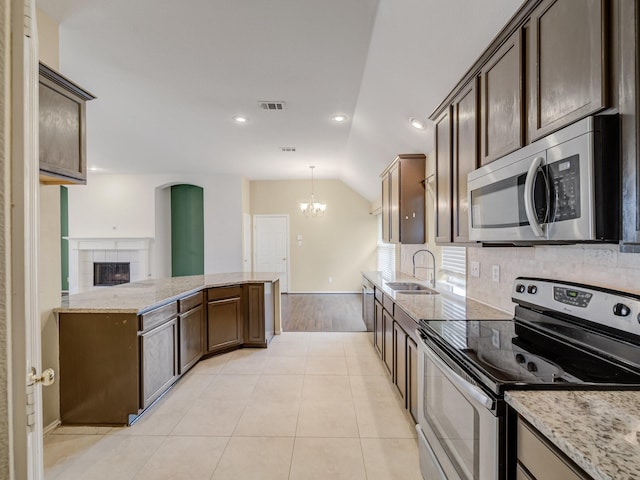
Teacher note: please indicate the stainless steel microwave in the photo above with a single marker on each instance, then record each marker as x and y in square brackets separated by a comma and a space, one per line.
[563, 188]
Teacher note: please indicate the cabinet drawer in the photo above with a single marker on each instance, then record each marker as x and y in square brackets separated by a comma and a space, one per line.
[539, 459]
[219, 293]
[187, 303]
[159, 315]
[378, 294]
[387, 303]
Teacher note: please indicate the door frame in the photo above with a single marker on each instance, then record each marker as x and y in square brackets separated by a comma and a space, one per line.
[22, 200]
[288, 246]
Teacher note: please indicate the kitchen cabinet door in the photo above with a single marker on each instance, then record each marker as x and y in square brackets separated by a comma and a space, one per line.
[444, 195]
[400, 360]
[224, 324]
[501, 101]
[567, 58]
[387, 348]
[191, 337]
[159, 360]
[62, 129]
[378, 333]
[394, 203]
[465, 156]
[259, 324]
[412, 378]
[386, 209]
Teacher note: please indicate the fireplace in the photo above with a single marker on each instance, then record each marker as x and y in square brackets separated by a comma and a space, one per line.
[106, 274]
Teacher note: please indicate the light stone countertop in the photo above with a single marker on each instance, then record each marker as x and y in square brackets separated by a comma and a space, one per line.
[138, 297]
[598, 430]
[444, 306]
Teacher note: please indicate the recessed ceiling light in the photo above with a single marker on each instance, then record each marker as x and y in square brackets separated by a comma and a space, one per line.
[339, 118]
[416, 123]
[240, 119]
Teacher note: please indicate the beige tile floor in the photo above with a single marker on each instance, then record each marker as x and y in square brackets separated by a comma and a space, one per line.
[311, 406]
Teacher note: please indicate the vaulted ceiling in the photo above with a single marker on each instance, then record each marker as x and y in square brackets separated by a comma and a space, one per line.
[171, 75]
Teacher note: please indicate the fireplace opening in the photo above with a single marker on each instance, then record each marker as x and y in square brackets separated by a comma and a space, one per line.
[106, 274]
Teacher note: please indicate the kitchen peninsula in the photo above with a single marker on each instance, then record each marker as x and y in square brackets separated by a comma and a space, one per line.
[123, 347]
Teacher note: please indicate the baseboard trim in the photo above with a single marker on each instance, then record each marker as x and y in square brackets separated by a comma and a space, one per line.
[51, 427]
[327, 292]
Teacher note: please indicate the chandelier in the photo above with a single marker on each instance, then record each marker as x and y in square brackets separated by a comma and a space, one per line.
[312, 208]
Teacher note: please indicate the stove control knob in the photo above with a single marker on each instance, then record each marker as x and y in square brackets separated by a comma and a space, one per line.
[520, 288]
[621, 310]
[532, 289]
[532, 367]
[520, 358]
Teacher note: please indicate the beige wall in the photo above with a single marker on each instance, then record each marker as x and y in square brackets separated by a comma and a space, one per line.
[340, 244]
[49, 275]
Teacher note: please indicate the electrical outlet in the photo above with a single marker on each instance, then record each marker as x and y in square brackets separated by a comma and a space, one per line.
[495, 337]
[495, 273]
[475, 269]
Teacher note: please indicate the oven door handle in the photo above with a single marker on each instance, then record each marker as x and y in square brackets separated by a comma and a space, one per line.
[474, 392]
[529, 207]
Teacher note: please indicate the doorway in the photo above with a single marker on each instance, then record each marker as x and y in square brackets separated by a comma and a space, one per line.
[271, 246]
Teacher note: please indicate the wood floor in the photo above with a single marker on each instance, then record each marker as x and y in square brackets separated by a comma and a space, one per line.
[335, 312]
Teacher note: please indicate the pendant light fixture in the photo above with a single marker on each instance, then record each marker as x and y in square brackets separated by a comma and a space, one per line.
[312, 208]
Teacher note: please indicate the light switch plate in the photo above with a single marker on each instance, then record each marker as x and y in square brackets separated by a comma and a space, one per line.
[495, 273]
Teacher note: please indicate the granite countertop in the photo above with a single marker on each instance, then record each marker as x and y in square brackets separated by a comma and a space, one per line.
[138, 297]
[598, 430]
[444, 306]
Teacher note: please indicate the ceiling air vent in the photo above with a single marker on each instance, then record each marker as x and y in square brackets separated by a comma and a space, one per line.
[288, 149]
[272, 106]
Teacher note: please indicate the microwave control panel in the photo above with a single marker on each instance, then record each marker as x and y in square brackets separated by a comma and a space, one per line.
[565, 195]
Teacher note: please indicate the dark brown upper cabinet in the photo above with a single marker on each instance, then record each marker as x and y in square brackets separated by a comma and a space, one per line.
[566, 64]
[465, 156]
[63, 150]
[444, 194]
[403, 201]
[502, 105]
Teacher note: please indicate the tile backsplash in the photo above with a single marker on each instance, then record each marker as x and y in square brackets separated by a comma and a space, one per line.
[594, 265]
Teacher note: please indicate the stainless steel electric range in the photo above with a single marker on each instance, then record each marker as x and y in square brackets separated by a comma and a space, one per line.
[564, 335]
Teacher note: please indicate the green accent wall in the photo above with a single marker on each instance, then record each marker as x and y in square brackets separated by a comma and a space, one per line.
[187, 230]
[64, 232]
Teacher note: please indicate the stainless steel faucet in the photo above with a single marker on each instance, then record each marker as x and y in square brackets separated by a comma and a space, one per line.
[433, 259]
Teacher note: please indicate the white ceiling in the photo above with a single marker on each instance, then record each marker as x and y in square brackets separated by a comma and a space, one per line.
[170, 75]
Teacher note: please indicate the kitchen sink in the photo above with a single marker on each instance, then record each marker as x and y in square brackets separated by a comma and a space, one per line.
[411, 287]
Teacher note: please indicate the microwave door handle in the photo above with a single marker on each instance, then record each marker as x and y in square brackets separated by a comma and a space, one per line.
[471, 390]
[528, 197]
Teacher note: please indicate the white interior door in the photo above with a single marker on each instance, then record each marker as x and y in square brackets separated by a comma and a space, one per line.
[246, 243]
[271, 246]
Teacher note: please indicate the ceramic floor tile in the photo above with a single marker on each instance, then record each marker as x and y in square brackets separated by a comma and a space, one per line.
[365, 365]
[210, 366]
[285, 365]
[184, 458]
[244, 365]
[326, 349]
[211, 418]
[274, 388]
[372, 389]
[230, 387]
[81, 430]
[384, 421]
[391, 459]
[360, 349]
[61, 450]
[288, 349]
[326, 388]
[326, 366]
[327, 419]
[113, 457]
[327, 458]
[268, 419]
[255, 458]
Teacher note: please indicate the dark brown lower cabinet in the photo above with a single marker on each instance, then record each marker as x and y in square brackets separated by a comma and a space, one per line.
[159, 360]
[400, 360]
[412, 378]
[387, 348]
[191, 337]
[377, 329]
[260, 314]
[224, 318]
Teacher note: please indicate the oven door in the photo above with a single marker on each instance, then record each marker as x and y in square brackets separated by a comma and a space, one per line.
[458, 430]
